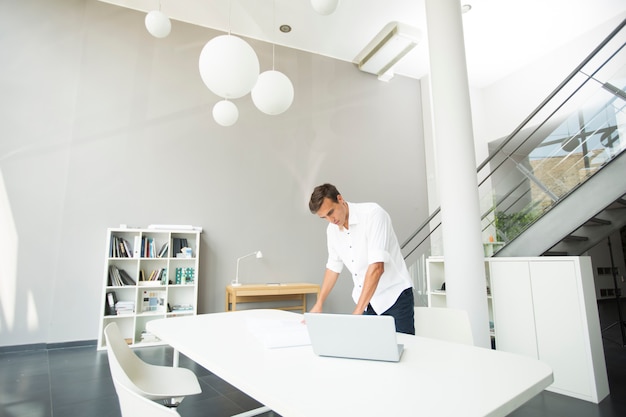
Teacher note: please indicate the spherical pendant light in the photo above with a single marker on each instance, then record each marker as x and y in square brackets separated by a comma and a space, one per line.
[158, 24]
[273, 92]
[225, 113]
[324, 7]
[229, 66]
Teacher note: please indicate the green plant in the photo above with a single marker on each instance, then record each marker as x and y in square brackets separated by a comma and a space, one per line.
[510, 225]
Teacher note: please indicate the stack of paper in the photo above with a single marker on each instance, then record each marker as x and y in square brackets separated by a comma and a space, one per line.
[279, 333]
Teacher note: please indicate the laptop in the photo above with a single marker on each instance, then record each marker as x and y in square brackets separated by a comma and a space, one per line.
[354, 336]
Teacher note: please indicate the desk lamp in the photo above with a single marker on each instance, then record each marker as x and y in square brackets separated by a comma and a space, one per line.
[236, 282]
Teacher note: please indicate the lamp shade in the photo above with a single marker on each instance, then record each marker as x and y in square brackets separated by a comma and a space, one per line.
[272, 93]
[229, 66]
[225, 113]
[324, 7]
[158, 24]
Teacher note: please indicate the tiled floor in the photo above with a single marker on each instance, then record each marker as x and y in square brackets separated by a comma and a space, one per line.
[76, 382]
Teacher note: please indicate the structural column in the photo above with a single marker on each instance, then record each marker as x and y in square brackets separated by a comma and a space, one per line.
[456, 166]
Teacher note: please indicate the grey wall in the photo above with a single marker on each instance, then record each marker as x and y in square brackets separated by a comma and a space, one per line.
[104, 125]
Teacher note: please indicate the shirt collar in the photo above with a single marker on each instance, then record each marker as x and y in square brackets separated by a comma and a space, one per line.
[353, 216]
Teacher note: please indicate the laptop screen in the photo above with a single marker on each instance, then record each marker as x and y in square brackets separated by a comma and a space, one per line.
[354, 336]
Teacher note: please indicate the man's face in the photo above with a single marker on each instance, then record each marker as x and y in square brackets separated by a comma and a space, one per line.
[335, 213]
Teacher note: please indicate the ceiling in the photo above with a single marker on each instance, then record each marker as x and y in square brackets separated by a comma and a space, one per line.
[500, 35]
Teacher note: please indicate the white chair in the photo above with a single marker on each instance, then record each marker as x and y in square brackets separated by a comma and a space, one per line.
[153, 382]
[447, 324]
[134, 405]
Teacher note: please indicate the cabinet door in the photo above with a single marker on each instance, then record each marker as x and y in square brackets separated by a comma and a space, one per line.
[560, 324]
[514, 319]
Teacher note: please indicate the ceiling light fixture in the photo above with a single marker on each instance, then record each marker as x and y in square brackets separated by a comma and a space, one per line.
[157, 23]
[324, 7]
[229, 68]
[273, 91]
[225, 113]
[390, 45]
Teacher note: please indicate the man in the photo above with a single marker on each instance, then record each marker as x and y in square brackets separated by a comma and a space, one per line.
[361, 237]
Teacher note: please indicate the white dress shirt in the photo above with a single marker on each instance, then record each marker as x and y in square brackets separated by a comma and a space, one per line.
[369, 238]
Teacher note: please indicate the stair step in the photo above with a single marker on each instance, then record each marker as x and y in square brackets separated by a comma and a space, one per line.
[555, 253]
[594, 221]
[574, 238]
[620, 203]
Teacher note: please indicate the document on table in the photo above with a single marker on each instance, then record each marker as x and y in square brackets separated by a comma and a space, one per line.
[279, 333]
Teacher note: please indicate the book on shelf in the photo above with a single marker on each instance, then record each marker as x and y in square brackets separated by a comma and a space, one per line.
[147, 337]
[119, 248]
[126, 247]
[155, 275]
[181, 307]
[124, 307]
[178, 243]
[119, 277]
[126, 279]
[163, 250]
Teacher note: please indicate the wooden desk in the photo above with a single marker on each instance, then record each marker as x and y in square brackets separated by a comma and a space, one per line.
[270, 293]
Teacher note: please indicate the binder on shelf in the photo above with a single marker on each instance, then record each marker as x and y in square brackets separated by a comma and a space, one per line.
[176, 246]
[109, 306]
[126, 279]
[137, 247]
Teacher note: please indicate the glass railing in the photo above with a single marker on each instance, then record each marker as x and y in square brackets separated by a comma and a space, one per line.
[576, 130]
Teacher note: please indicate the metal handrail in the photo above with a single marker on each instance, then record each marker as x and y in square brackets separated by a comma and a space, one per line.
[524, 123]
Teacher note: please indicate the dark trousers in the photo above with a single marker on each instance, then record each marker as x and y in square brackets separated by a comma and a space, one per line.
[402, 312]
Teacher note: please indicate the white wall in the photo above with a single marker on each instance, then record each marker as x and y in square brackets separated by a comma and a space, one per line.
[105, 125]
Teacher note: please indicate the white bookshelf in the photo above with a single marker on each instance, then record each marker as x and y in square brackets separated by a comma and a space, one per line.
[175, 293]
[436, 277]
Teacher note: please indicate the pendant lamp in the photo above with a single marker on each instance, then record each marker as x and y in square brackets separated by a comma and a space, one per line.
[158, 24]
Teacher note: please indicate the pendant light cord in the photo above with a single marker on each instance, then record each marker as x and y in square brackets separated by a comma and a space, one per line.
[272, 32]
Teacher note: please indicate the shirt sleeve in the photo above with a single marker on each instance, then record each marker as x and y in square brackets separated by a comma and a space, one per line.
[379, 231]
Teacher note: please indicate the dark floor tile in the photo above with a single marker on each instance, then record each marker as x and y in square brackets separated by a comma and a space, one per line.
[218, 406]
[99, 407]
[27, 408]
[81, 390]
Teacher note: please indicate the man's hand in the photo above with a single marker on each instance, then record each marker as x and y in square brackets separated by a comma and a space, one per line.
[317, 308]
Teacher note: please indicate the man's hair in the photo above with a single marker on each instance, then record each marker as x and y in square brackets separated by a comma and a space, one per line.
[319, 194]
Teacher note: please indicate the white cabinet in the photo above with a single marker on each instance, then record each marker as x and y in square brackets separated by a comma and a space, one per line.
[147, 276]
[545, 308]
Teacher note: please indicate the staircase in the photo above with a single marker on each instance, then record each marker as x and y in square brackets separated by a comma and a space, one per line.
[557, 184]
[585, 217]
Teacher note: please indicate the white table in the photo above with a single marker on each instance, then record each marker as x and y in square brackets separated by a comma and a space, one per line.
[434, 378]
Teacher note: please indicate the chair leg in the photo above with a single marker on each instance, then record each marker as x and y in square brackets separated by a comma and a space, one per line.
[254, 412]
[173, 402]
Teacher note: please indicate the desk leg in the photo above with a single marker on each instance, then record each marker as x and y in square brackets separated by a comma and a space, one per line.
[303, 303]
[254, 412]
